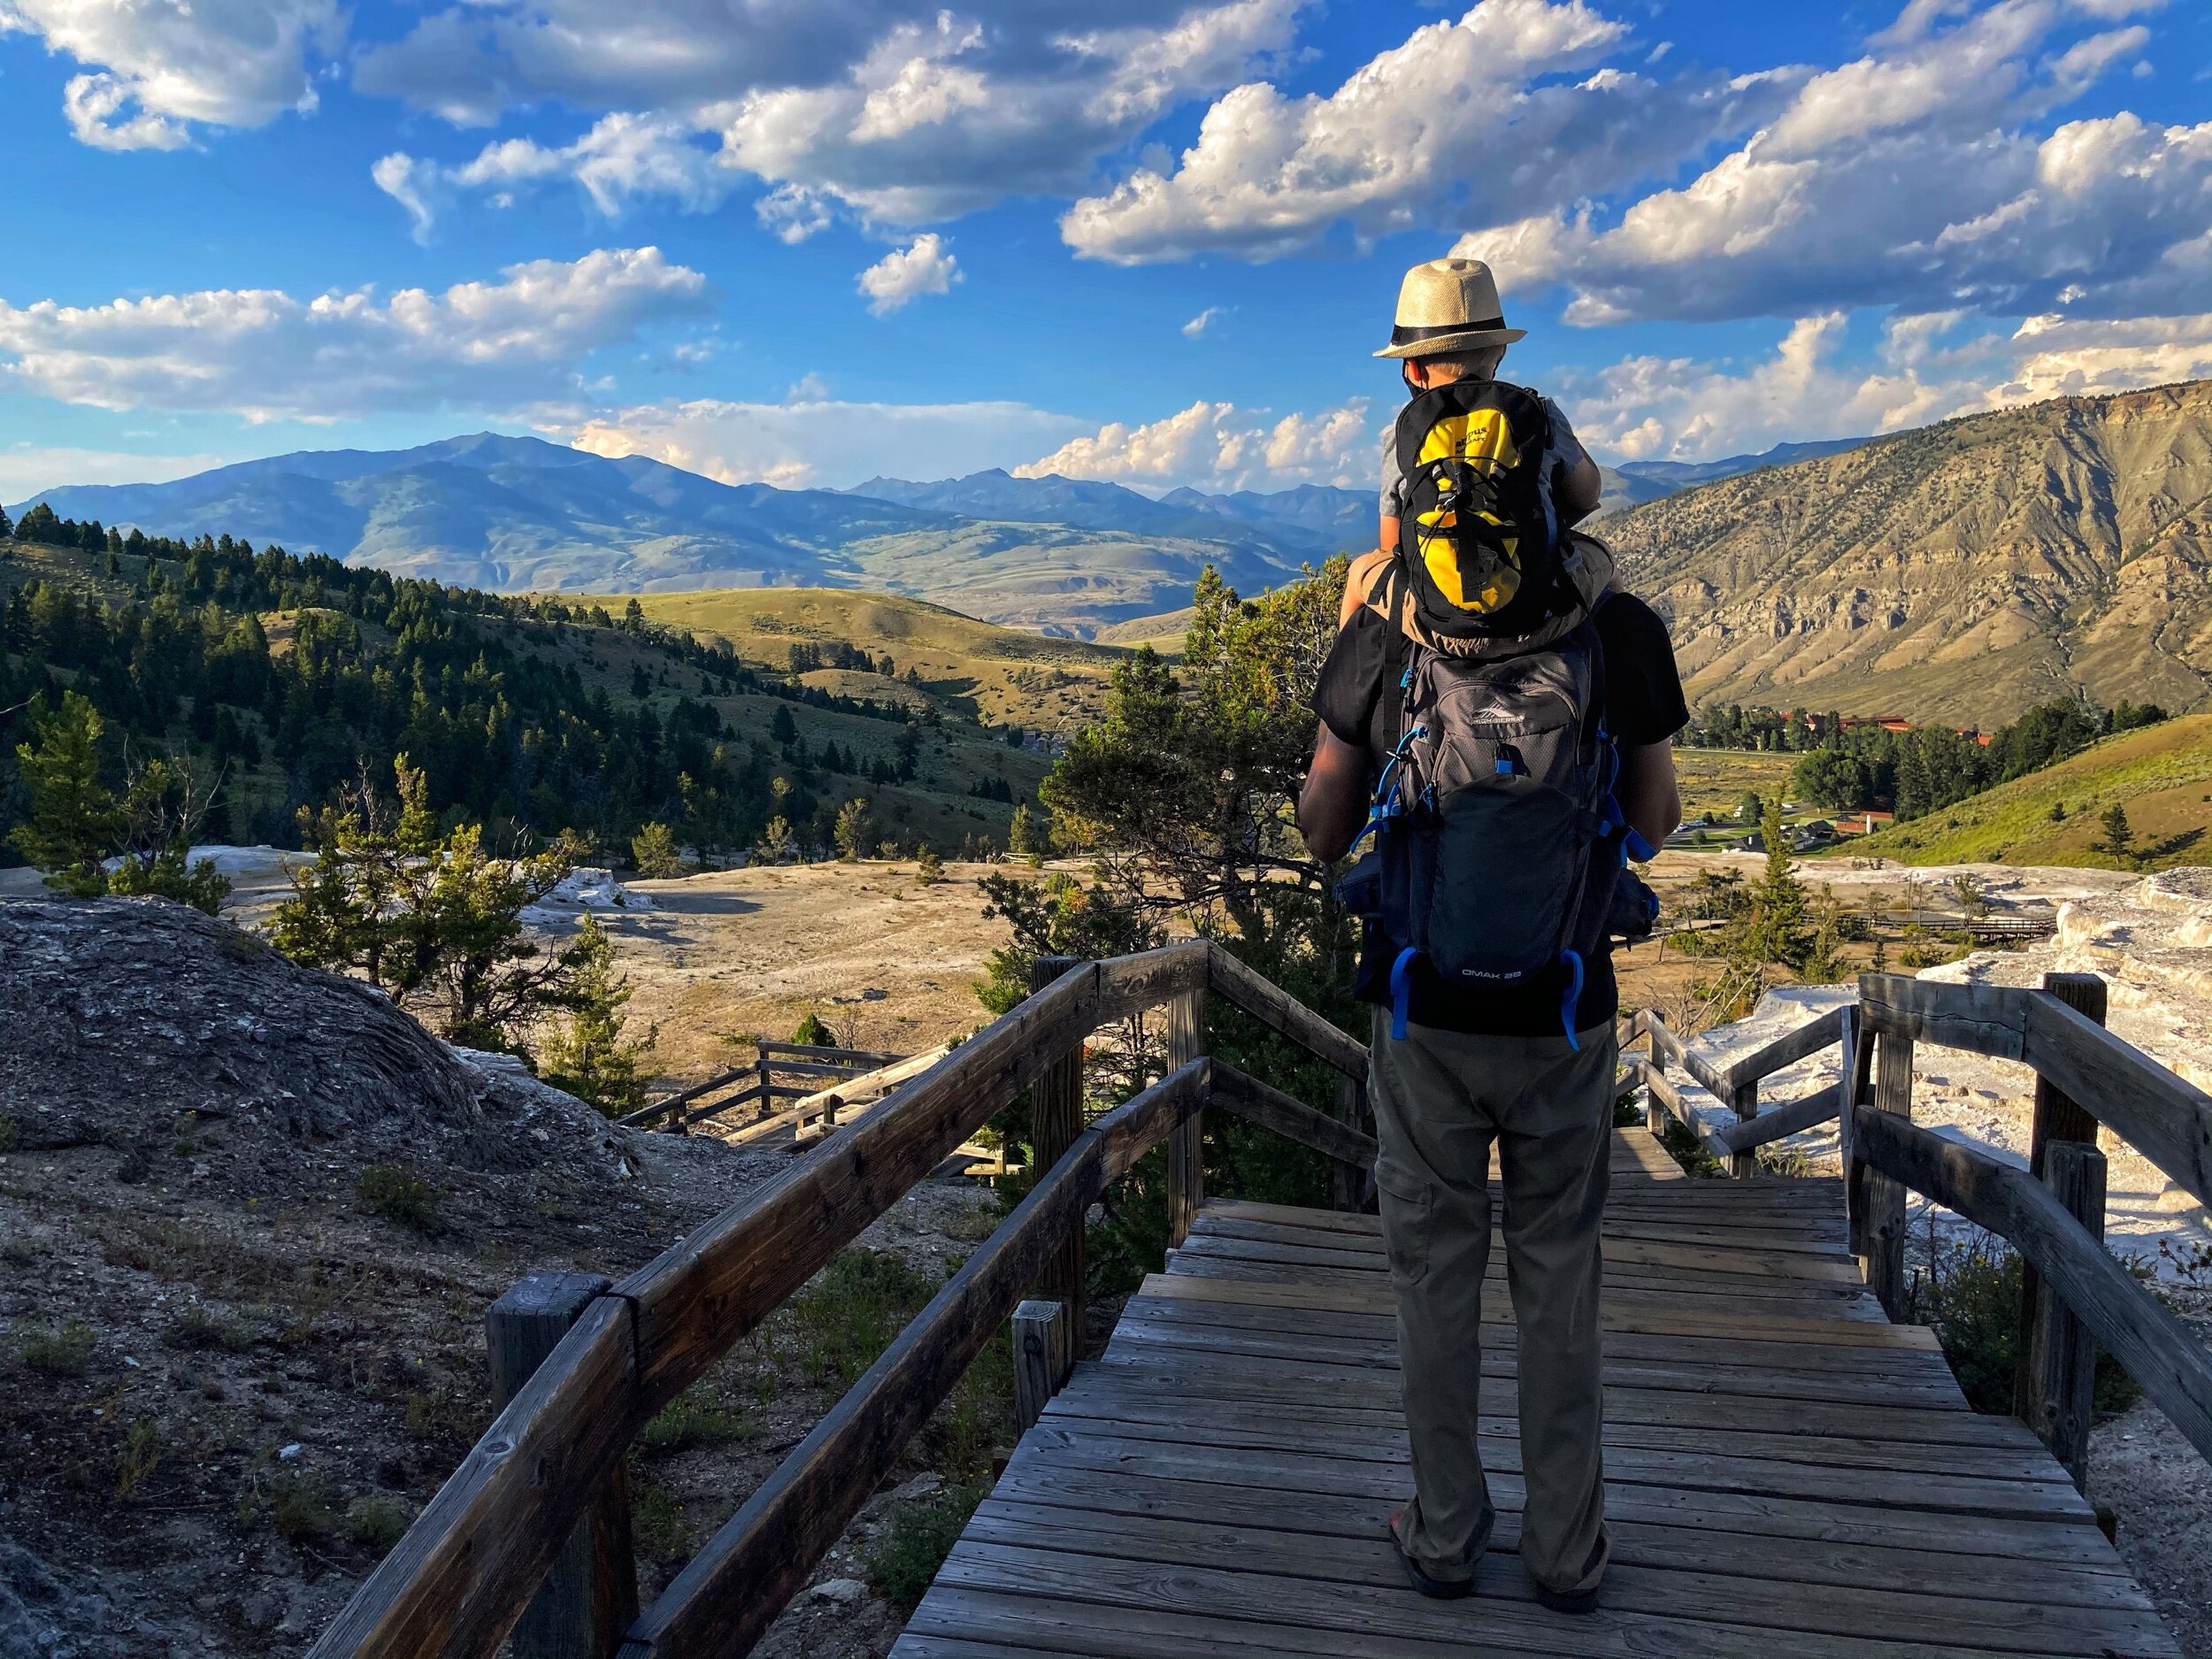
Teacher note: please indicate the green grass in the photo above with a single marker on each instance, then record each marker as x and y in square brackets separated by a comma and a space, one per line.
[401, 1195]
[1003, 675]
[2161, 774]
[1714, 780]
[685, 1423]
[905, 1560]
[851, 1311]
[66, 1352]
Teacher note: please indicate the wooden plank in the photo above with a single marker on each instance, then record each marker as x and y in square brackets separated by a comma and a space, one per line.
[1666, 1045]
[1989, 1019]
[2159, 1351]
[733, 1588]
[2168, 1121]
[1952, 1614]
[867, 1059]
[1806, 1380]
[1679, 1491]
[1635, 1542]
[1786, 1050]
[1378, 1303]
[1276, 1009]
[1266, 1385]
[670, 1103]
[590, 1594]
[1789, 1118]
[1261, 1104]
[1382, 1616]
[1226, 1416]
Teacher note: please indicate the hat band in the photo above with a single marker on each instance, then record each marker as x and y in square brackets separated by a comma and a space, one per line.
[1402, 336]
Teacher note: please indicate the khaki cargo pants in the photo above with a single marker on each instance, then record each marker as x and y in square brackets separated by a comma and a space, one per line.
[1441, 1100]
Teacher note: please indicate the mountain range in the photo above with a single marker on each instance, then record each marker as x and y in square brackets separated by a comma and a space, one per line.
[1956, 572]
[1062, 556]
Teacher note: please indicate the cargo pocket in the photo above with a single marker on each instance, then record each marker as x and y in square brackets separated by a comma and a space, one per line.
[1407, 1209]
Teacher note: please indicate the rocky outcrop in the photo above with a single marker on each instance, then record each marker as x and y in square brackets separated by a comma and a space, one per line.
[1958, 572]
[145, 1025]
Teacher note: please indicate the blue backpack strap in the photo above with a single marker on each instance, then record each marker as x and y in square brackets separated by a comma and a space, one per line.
[1400, 992]
[1572, 997]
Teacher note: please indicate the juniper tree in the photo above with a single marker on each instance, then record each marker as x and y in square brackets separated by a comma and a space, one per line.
[586, 1052]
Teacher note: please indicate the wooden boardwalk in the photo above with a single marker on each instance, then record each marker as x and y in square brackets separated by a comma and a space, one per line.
[1788, 1473]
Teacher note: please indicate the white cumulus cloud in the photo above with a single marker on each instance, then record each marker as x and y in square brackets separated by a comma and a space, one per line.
[925, 266]
[261, 354]
[1220, 446]
[898, 112]
[1913, 177]
[1200, 323]
[1465, 123]
[155, 69]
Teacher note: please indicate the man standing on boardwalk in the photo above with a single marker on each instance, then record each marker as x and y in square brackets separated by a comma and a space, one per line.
[1498, 714]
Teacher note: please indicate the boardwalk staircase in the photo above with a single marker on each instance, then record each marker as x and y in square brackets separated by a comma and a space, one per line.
[1790, 1470]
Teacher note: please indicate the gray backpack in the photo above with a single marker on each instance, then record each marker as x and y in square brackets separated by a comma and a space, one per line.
[1500, 850]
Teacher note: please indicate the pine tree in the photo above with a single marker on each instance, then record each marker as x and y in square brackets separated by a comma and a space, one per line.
[1022, 840]
[929, 869]
[775, 845]
[855, 830]
[653, 850]
[74, 818]
[1775, 930]
[2118, 840]
[586, 1055]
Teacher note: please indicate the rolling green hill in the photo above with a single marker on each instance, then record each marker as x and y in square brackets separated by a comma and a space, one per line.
[1003, 676]
[2161, 774]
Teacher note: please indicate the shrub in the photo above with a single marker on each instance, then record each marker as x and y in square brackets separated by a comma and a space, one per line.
[298, 1506]
[1970, 1296]
[64, 1353]
[400, 1195]
[139, 1457]
[201, 1327]
[905, 1561]
[659, 1528]
[852, 1309]
[376, 1523]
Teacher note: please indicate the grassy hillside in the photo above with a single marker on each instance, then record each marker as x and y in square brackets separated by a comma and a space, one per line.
[2161, 774]
[998, 675]
[276, 751]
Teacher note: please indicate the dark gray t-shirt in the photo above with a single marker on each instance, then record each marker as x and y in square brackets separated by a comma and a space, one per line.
[1564, 443]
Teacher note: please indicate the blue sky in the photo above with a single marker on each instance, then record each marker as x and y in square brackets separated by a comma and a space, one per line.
[808, 241]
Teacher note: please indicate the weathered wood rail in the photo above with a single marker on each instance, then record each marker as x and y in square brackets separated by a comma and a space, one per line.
[761, 1090]
[461, 1580]
[2076, 1295]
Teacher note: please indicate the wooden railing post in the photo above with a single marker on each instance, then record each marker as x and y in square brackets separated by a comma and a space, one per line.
[1344, 1178]
[2057, 1398]
[1185, 1164]
[1881, 1198]
[1055, 1118]
[1743, 1099]
[590, 1596]
[2047, 1395]
[1041, 1358]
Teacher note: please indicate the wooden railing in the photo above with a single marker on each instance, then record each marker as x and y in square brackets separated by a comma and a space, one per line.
[678, 1112]
[544, 1484]
[2075, 1296]
[1735, 1082]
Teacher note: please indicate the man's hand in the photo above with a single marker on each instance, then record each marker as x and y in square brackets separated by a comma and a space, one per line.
[1333, 803]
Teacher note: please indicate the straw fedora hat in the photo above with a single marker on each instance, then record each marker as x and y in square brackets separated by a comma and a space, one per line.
[1448, 305]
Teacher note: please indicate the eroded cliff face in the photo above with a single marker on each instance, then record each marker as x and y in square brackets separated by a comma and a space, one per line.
[1959, 572]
